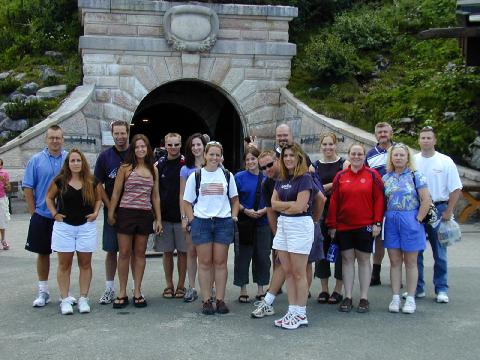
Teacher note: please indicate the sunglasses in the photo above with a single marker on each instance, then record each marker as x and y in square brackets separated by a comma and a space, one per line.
[173, 145]
[428, 128]
[268, 166]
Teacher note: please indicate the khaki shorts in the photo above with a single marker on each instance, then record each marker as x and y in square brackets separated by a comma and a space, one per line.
[172, 238]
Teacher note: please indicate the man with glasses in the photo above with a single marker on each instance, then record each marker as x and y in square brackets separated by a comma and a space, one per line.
[376, 159]
[445, 188]
[39, 173]
[173, 237]
[106, 169]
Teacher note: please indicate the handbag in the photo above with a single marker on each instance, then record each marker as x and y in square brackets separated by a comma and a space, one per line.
[246, 225]
[432, 215]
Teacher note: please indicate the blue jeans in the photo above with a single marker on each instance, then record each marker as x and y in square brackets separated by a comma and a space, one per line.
[216, 230]
[440, 272]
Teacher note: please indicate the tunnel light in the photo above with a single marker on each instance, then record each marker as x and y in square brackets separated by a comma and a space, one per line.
[474, 18]
[145, 120]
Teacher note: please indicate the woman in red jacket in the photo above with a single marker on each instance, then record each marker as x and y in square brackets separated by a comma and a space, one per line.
[354, 220]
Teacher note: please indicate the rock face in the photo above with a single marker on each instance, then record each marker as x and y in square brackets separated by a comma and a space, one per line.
[47, 72]
[474, 162]
[30, 88]
[17, 96]
[5, 74]
[14, 125]
[52, 91]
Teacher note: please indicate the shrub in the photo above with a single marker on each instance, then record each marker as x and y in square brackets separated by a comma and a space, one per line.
[8, 85]
[366, 29]
[327, 56]
[23, 109]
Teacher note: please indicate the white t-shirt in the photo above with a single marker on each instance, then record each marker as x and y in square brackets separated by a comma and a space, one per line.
[441, 173]
[212, 195]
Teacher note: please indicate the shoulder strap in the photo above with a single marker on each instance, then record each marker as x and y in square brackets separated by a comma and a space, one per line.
[161, 165]
[227, 177]
[198, 179]
[257, 192]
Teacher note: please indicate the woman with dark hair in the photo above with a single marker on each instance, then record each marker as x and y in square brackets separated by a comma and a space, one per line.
[325, 169]
[254, 233]
[194, 159]
[211, 206]
[355, 218]
[293, 199]
[136, 193]
[74, 199]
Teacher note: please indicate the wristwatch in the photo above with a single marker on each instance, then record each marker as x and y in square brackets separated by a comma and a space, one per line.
[379, 224]
[234, 218]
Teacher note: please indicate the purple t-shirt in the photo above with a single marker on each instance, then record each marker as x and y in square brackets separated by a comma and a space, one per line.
[185, 171]
[288, 191]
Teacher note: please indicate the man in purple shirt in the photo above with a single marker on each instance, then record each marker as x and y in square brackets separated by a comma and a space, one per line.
[106, 169]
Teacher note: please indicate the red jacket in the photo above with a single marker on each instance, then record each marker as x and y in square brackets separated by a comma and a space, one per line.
[357, 199]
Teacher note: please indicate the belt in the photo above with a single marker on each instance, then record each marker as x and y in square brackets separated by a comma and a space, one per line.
[440, 203]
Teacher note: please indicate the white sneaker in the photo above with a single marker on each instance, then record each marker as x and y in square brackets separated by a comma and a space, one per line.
[295, 321]
[263, 309]
[107, 297]
[419, 295]
[83, 306]
[42, 299]
[70, 299]
[394, 306]
[286, 317]
[409, 307]
[66, 307]
[442, 297]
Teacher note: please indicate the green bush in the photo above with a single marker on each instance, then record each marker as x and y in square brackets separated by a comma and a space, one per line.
[22, 109]
[327, 56]
[366, 30]
[8, 85]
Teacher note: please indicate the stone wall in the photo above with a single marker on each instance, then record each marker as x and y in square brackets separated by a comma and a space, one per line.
[80, 131]
[126, 54]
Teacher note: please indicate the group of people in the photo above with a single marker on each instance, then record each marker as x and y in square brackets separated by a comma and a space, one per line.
[282, 210]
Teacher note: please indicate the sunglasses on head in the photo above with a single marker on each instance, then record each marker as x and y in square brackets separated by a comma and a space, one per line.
[268, 166]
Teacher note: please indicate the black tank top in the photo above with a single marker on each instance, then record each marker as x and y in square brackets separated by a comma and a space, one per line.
[72, 206]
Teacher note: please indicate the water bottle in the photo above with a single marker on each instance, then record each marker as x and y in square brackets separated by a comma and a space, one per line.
[332, 253]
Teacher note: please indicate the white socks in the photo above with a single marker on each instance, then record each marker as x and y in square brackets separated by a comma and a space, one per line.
[43, 286]
[269, 299]
[109, 285]
[296, 309]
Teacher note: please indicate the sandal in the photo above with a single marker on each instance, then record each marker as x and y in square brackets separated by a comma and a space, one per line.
[323, 297]
[168, 293]
[346, 305]
[5, 245]
[244, 299]
[139, 302]
[335, 298]
[180, 293]
[120, 302]
[363, 306]
[260, 297]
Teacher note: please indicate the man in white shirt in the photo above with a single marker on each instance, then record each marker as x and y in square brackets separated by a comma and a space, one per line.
[445, 187]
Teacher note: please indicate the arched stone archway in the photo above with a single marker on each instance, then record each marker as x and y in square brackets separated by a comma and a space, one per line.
[187, 107]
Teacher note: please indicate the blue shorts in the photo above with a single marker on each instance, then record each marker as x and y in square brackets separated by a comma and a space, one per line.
[216, 230]
[109, 242]
[403, 231]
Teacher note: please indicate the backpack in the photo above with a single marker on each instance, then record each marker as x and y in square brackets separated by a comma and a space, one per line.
[198, 179]
[162, 162]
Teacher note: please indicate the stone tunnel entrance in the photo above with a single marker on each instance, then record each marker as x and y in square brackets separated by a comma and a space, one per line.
[187, 107]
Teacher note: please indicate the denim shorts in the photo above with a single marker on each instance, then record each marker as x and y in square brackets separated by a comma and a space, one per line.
[216, 230]
[109, 240]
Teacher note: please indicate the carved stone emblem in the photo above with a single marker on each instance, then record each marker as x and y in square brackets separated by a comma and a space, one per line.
[191, 28]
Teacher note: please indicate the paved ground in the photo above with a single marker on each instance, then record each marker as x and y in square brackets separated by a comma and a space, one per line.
[176, 330]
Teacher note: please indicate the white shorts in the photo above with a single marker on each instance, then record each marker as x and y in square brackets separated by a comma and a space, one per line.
[69, 238]
[4, 213]
[294, 234]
